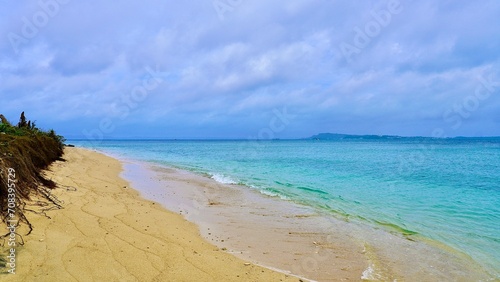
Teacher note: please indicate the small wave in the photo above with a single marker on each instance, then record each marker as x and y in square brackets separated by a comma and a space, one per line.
[312, 190]
[283, 184]
[368, 274]
[223, 179]
[270, 193]
[397, 228]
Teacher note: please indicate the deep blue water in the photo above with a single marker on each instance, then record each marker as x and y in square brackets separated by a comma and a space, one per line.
[445, 190]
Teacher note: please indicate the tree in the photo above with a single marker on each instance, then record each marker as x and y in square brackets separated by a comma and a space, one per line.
[22, 121]
[4, 120]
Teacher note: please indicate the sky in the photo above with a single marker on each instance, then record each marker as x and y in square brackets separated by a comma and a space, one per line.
[255, 69]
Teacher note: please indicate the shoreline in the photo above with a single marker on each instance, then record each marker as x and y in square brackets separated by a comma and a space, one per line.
[107, 231]
[232, 224]
[366, 252]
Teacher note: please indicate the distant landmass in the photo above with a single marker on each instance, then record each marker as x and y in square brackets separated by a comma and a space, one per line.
[338, 136]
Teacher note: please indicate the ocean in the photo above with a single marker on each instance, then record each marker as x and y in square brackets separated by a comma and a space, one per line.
[444, 190]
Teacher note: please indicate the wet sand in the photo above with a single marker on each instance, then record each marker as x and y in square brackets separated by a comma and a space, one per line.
[287, 236]
[107, 232]
[210, 232]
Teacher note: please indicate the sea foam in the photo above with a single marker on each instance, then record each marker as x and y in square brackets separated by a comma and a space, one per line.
[223, 179]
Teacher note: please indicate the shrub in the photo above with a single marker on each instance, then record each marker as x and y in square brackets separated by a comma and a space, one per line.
[28, 150]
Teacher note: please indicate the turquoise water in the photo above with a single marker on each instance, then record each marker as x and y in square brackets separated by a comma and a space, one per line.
[445, 190]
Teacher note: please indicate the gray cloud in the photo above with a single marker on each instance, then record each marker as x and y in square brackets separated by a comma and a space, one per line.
[226, 76]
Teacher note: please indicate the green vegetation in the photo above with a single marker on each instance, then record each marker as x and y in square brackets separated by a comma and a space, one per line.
[28, 150]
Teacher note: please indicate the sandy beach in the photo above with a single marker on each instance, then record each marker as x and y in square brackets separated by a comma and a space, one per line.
[166, 224]
[288, 236]
[107, 232]
[230, 140]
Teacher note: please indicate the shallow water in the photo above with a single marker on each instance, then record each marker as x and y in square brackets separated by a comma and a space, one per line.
[443, 190]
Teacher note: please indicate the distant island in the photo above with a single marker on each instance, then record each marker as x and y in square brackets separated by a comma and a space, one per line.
[339, 136]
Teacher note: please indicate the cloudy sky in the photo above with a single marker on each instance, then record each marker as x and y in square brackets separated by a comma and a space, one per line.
[252, 69]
